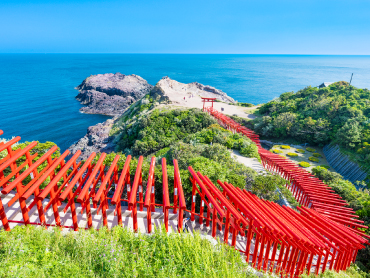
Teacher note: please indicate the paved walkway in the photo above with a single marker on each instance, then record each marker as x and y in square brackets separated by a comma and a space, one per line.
[14, 213]
[249, 162]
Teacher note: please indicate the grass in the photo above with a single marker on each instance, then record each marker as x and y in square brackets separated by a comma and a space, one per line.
[352, 272]
[35, 252]
[297, 155]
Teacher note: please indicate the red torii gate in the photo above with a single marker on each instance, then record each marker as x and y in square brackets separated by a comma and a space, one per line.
[86, 182]
[306, 188]
[277, 239]
[208, 99]
[326, 230]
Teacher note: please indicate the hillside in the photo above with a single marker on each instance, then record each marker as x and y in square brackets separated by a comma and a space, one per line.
[338, 114]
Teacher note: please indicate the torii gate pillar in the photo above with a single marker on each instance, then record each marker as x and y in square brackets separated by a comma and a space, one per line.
[208, 99]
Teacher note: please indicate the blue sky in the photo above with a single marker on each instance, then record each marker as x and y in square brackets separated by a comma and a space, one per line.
[202, 26]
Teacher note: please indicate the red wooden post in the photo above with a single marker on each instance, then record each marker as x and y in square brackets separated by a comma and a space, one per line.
[214, 221]
[226, 233]
[193, 196]
[255, 250]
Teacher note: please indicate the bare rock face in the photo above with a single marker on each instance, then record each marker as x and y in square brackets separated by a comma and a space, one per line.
[110, 94]
[97, 140]
[168, 91]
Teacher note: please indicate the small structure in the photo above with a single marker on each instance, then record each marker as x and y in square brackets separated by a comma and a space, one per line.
[325, 84]
[208, 99]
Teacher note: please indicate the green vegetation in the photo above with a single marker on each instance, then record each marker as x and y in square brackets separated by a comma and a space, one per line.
[288, 195]
[35, 252]
[352, 272]
[216, 134]
[304, 164]
[292, 154]
[285, 147]
[277, 151]
[359, 200]
[244, 104]
[158, 130]
[337, 114]
[310, 149]
[314, 159]
[300, 151]
[317, 155]
[325, 166]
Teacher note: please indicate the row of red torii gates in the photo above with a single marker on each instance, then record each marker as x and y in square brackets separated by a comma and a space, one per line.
[324, 234]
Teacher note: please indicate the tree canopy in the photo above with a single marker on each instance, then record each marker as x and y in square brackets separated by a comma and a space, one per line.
[339, 113]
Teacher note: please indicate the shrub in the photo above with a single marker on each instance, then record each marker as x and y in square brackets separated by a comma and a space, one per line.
[292, 154]
[304, 164]
[325, 166]
[317, 155]
[216, 134]
[286, 147]
[310, 149]
[158, 130]
[314, 159]
[300, 151]
[277, 151]
[245, 104]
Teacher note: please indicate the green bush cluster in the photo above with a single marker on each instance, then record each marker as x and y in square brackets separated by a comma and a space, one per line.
[35, 252]
[244, 104]
[292, 154]
[314, 159]
[317, 155]
[337, 114]
[216, 134]
[286, 147]
[158, 130]
[325, 166]
[310, 149]
[300, 151]
[304, 164]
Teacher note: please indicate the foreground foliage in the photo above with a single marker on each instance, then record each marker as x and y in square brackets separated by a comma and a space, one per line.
[35, 252]
[353, 271]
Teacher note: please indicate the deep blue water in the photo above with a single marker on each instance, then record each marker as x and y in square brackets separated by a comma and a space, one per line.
[37, 90]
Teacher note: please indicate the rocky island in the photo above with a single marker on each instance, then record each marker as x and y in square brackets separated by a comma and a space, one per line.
[110, 94]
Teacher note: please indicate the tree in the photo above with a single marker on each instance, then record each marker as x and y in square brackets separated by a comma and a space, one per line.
[283, 123]
[349, 134]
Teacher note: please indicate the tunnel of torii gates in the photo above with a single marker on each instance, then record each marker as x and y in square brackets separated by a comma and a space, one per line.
[323, 233]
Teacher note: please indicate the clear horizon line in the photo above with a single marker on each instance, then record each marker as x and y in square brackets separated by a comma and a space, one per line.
[160, 53]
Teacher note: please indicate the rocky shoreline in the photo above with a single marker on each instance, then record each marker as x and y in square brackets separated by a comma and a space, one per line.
[112, 94]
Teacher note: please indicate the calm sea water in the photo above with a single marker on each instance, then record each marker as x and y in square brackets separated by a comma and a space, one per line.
[37, 90]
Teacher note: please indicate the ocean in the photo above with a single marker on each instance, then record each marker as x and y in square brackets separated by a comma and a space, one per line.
[38, 95]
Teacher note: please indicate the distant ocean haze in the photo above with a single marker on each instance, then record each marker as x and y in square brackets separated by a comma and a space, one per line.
[38, 95]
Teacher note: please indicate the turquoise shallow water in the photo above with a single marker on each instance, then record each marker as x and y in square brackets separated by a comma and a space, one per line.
[37, 90]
